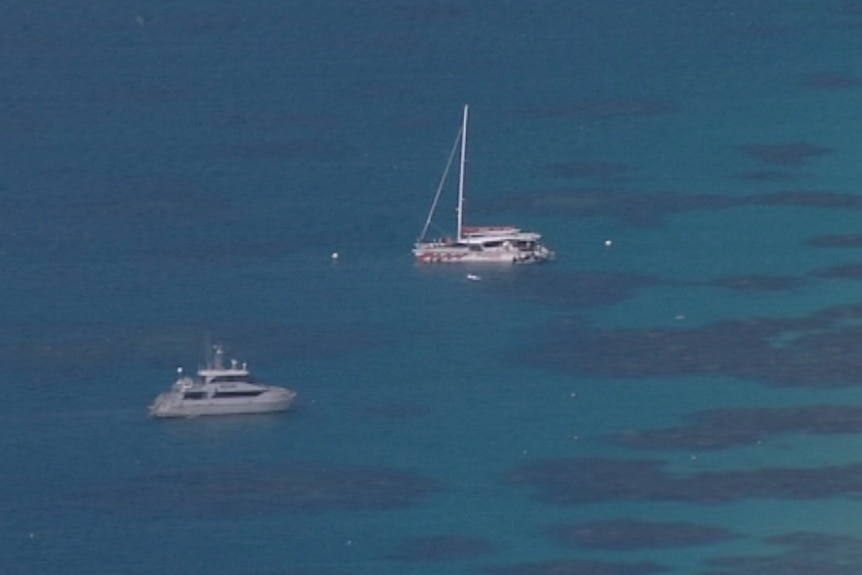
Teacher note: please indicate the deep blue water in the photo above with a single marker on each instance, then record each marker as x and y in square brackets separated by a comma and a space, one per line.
[179, 169]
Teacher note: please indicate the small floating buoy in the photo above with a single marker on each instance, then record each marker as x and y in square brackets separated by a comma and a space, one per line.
[334, 256]
[608, 243]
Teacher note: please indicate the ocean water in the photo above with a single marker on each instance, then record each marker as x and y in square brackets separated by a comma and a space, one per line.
[678, 392]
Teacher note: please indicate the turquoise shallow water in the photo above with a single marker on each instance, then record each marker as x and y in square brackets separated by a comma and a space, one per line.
[187, 168]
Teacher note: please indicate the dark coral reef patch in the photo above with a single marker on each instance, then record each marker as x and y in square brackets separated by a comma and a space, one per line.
[836, 241]
[600, 170]
[830, 80]
[439, 548]
[239, 492]
[807, 199]
[846, 272]
[603, 109]
[822, 350]
[81, 349]
[731, 427]
[792, 154]
[574, 290]
[757, 283]
[765, 176]
[806, 553]
[630, 535]
[578, 567]
[588, 289]
[643, 208]
[578, 481]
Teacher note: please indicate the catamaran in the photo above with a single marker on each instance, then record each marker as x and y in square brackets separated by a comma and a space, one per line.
[497, 244]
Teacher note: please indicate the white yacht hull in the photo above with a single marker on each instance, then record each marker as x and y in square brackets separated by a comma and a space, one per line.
[172, 404]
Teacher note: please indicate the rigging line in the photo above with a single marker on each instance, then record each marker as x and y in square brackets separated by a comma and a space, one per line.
[440, 186]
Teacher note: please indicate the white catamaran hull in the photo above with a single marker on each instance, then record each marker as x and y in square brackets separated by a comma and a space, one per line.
[457, 254]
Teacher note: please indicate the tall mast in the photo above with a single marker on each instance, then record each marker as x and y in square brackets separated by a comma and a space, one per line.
[461, 175]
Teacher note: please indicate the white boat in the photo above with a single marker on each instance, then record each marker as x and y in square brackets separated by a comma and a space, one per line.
[497, 244]
[220, 390]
